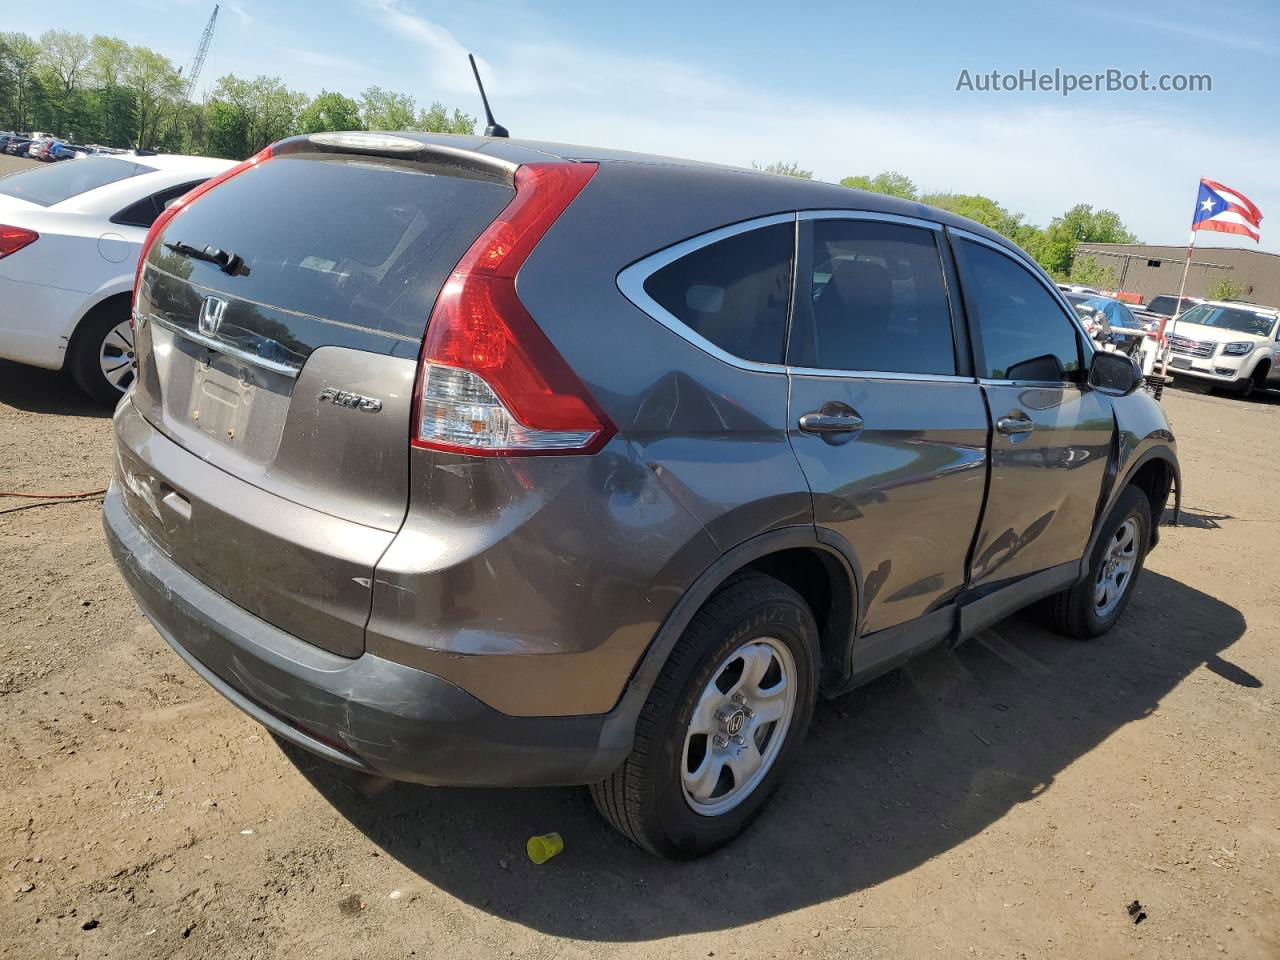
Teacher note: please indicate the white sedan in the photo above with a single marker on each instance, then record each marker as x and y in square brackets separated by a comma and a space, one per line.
[70, 234]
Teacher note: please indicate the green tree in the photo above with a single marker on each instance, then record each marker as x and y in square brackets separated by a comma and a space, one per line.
[330, 111]
[110, 103]
[890, 182]
[63, 58]
[22, 55]
[1088, 272]
[1056, 247]
[1226, 289]
[438, 120]
[155, 87]
[67, 55]
[386, 110]
[787, 168]
[981, 209]
[246, 115]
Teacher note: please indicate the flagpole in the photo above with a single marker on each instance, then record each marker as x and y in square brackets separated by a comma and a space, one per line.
[1182, 289]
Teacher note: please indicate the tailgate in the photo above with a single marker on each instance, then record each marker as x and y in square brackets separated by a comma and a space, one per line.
[284, 367]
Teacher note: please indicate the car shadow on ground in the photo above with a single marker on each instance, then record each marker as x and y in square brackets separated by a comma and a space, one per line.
[45, 391]
[1197, 519]
[1262, 397]
[892, 775]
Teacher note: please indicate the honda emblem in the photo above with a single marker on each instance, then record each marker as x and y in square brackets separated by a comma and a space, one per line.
[210, 319]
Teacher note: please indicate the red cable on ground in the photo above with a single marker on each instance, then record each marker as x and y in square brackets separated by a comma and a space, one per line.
[54, 496]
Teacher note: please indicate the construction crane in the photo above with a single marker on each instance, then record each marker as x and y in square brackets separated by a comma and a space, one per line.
[197, 63]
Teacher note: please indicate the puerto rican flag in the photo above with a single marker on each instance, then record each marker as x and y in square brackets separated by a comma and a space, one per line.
[1226, 211]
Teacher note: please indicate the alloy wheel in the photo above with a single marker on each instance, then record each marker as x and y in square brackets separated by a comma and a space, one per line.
[738, 726]
[115, 356]
[1117, 569]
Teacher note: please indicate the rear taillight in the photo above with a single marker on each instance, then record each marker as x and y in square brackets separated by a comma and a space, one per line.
[490, 383]
[13, 239]
[181, 204]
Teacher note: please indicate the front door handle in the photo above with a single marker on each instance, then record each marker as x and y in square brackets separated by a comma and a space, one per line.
[1011, 426]
[830, 422]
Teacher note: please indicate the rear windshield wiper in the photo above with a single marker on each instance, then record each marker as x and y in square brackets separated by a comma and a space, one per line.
[224, 260]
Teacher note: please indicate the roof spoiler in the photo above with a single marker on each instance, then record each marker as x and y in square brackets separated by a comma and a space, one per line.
[456, 160]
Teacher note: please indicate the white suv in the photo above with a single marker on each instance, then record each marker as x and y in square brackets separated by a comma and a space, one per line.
[1226, 342]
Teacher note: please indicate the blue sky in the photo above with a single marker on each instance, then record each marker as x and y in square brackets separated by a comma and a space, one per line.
[842, 89]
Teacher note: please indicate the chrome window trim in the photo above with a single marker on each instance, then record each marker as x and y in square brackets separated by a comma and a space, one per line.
[631, 282]
[1021, 258]
[1048, 384]
[878, 375]
[869, 215]
[274, 366]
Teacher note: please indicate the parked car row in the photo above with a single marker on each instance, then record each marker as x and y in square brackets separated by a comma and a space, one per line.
[49, 149]
[1227, 343]
[1114, 326]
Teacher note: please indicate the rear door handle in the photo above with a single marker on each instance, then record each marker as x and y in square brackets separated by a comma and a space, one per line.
[1014, 425]
[830, 422]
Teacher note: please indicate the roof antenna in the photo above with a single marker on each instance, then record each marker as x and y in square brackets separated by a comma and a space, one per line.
[494, 129]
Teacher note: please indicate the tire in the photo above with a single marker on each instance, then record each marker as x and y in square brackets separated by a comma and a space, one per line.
[1244, 389]
[100, 356]
[753, 618]
[1077, 611]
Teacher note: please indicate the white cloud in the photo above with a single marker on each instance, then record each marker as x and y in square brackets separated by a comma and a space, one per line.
[313, 58]
[1211, 32]
[241, 14]
[446, 58]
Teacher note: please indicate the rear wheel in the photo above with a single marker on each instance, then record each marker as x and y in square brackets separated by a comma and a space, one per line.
[101, 355]
[722, 723]
[1091, 607]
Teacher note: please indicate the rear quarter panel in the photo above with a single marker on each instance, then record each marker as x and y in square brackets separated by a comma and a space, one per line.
[713, 434]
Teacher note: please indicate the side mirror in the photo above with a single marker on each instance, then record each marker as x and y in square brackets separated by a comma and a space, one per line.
[1115, 374]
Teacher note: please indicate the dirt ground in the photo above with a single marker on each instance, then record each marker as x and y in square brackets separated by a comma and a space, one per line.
[1006, 799]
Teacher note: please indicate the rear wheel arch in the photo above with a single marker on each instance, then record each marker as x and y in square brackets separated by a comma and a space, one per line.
[88, 343]
[122, 301]
[1155, 478]
[826, 584]
[790, 554]
[1155, 472]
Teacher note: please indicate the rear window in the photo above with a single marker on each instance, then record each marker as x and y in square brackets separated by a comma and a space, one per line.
[62, 181]
[349, 241]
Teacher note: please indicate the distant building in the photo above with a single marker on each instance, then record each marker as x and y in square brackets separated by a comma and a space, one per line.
[1150, 270]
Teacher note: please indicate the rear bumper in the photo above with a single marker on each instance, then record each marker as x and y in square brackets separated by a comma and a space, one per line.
[366, 713]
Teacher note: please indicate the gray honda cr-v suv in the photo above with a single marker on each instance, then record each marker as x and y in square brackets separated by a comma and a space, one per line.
[474, 461]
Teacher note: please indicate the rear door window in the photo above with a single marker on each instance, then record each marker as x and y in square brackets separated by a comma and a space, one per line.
[734, 293]
[333, 242]
[872, 298]
[62, 181]
[1022, 332]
